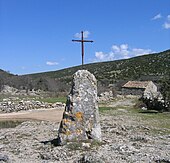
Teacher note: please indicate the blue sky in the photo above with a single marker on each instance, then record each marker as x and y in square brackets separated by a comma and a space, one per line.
[35, 35]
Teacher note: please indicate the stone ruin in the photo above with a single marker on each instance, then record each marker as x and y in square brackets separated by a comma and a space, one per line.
[80, 120]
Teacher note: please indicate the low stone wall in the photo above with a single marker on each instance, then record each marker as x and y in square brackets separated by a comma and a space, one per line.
[105, 96]
[132, 91]
[7, 106]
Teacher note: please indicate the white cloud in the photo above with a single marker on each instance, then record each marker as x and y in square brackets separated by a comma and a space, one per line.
[138, 51]
[124, 46]
[166, 25]
[122, 51]
[168, 17]
[115, 48]
[85, 34]
[49, 63]
[158, 16]
[100, 56]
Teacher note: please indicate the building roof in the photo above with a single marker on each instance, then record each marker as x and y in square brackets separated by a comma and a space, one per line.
[136, 84]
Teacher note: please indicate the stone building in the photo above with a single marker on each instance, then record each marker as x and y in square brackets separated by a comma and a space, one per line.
[145, 88]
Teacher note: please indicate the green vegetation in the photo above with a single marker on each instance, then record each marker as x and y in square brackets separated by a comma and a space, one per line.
[165, 90]
[16, 98]
[148, 67]
[9, 124]
[84, 145]
[105, 109]
[53, 99]
[158, 123]
[161, 120]
[74, 146]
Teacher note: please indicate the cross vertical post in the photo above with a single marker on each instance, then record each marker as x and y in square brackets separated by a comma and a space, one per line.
[82, 46]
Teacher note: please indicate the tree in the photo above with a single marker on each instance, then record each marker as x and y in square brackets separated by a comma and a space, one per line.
[42, 84]
[1, 84]
[165, 90]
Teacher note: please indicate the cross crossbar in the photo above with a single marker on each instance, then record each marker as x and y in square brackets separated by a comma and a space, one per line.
[82, 45]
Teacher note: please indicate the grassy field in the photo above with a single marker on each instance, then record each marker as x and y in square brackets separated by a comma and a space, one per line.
[54, 99]
[9, 124]
[159, 123]
[43, 99]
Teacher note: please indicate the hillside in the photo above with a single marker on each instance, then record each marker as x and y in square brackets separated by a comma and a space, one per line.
[5, 74]
[5, 77]
[147, 67]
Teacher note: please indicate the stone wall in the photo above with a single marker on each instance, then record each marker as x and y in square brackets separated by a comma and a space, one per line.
[133, 91]
[151, 91]
[7, 105]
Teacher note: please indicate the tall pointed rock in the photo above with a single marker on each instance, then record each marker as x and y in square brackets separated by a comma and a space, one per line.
[81, 116]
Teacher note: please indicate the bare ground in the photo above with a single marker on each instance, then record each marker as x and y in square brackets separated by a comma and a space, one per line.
[53, 115]
[127, 137]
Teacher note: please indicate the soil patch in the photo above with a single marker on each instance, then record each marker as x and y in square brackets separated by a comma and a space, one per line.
[54, 115]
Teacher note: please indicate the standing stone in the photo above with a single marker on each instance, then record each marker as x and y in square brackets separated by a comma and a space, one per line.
[81, 117]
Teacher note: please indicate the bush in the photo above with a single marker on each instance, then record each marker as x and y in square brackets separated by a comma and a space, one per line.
[155, 104]
[165, 90]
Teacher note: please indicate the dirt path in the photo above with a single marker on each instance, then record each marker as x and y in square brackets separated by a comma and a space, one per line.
[54, 115]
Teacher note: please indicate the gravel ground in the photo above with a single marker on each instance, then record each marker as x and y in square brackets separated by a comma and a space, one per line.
[127, 137]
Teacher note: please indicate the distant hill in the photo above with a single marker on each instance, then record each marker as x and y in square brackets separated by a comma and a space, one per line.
[147, 67]
[4, 77]
[5, 73]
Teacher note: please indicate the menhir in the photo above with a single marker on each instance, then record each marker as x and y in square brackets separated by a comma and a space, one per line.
[80, 120]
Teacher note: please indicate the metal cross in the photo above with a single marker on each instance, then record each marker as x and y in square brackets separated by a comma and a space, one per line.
[82, 45]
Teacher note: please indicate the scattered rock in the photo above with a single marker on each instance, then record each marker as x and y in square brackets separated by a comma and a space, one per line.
[123, 110]
[126, 138]
[4, 158]
[8, 105]
[86, 145]
[106, 96]
[90, 158]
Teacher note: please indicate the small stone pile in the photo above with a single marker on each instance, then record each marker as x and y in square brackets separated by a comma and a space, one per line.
[81, 117]
[106, 96]
[7, 106]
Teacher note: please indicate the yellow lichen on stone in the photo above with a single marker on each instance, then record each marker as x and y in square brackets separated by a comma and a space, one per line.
[78, 131]
[79, 115]
[66, 121]
[67, 132]
[64, 127]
